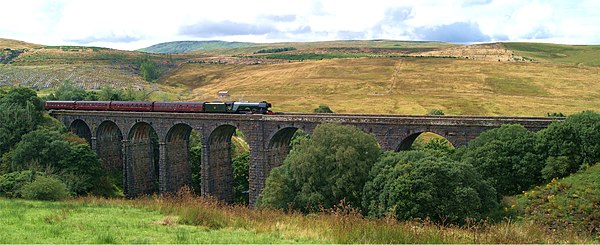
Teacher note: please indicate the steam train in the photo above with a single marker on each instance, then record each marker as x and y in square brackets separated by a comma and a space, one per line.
[191, 107]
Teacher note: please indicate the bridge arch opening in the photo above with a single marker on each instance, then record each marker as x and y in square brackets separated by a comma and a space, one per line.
[424, 139]
[109, 141]
[142, 160]
[226, 144]
[279, 146]
[81, 129]
[178, 168]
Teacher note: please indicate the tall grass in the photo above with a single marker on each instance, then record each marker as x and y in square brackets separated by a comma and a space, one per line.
[338, 225]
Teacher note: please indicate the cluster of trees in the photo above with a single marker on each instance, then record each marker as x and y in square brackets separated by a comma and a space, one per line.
[149, 70]
[275, 50]
[343, 165]
[309, 56]
[38, 158]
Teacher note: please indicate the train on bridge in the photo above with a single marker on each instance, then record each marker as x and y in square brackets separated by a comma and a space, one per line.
[144, 106]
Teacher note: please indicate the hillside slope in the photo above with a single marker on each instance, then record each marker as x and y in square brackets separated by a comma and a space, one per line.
[16, 44]
[569, 203]
[189, 46]
[399, 85]
[558, 53]
[241, 48]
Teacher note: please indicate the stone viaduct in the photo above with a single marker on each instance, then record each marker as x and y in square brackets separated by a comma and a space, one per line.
[152, 148]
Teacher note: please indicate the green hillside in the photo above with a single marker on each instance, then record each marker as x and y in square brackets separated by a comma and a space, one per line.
[241, 48]
[572, 202]
[189, 46]
[558, 53]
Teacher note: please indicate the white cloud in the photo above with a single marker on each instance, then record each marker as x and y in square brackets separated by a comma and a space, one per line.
[135, 24]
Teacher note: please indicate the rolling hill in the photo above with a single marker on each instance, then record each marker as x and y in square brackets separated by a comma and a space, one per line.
[189, 46]
[369, 76]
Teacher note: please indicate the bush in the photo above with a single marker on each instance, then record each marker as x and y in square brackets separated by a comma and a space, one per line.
[68, 91]
[507, 158]
[45, 188]
[149, 70]
[574, 141]
[418, 184]
[11, 183]
[74, 163]
[323, 109]
[435, 112]
[323, 170]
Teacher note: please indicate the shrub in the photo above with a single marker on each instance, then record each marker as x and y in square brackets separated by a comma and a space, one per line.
[149, 70]
[11, 183]
[323, 109]
[575, 141]
[74, 163]
[569, 203]
[507, 158]
[418, 184]
[435, 112]
[45, 188]
[323, 170]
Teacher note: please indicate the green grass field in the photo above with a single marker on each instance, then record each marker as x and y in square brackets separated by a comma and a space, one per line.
[81, 222]
[557, 53]
[188, 219]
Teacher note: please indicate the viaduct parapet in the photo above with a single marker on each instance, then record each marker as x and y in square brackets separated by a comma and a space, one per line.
[152, 148]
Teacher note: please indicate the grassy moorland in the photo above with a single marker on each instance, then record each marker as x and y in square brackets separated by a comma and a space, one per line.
[399, 85]
[557, 53]
[370, 76]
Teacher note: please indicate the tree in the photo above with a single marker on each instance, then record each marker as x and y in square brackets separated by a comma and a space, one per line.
[323, 170]
[569, 144]
[418, 184]
[21, 96]
[240, 177]
[75, 162]
[149, 70]
[11, 183]
[20, 112]
[507, 158]
[323, 109]
[68, 91]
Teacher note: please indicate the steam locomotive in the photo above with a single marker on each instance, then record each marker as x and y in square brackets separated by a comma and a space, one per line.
[193, 107]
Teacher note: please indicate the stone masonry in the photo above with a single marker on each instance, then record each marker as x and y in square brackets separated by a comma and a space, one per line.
[152, 148]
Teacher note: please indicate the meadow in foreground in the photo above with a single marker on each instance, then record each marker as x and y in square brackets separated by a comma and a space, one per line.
[184, 218]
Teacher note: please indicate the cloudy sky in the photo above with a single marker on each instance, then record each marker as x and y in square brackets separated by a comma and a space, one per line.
[134, 24]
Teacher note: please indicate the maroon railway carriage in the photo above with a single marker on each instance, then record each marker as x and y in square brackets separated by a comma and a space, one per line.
[93, 105]
[131, 106]
[69, 105]
[179, 106]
